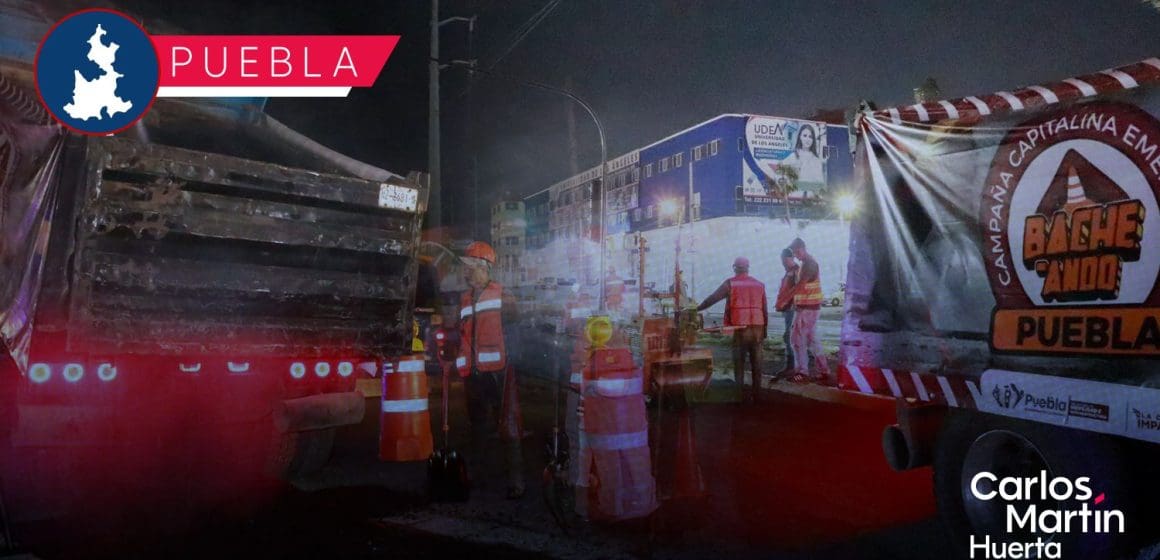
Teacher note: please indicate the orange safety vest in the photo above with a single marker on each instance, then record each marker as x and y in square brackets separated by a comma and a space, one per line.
[481, 344]
[810, 294]
[746, 302]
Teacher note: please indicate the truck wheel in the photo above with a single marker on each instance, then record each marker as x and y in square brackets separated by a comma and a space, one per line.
[303, 453]
[835, 302]
[973, 442]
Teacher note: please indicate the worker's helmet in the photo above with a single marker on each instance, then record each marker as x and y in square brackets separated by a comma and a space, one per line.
[480, 250]
[741, 262]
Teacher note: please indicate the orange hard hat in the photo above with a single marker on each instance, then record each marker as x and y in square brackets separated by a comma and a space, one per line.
[480, 250]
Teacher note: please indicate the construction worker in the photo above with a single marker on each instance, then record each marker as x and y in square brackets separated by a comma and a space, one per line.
[745, 308]
[492, 401]
[784, 305]
[807, 303]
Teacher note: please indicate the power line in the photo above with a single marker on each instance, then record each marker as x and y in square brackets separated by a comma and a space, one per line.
[524, 30]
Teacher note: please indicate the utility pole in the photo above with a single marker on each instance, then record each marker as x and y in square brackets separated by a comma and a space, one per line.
[434, 199]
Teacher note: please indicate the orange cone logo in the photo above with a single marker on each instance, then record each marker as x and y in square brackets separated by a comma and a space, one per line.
[1079, 245]
[1071, 222]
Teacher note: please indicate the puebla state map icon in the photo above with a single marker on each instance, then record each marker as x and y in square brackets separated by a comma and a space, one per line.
[97, 72]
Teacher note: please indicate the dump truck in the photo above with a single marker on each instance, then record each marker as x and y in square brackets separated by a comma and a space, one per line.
[1003, 288]
[185, 306]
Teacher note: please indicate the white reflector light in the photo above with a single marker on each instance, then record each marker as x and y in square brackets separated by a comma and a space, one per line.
[39, 373]
[297, 370]
[322, 369]
[73, 372]
[106, 372]
[345, 369]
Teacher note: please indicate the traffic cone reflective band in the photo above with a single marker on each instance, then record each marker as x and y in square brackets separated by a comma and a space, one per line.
[614, 430]
[405, 421]
[1076, 196]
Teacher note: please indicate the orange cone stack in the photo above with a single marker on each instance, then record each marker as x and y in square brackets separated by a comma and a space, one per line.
[614, 429]
[405, 421]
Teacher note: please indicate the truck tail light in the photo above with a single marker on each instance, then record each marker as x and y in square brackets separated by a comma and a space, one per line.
[106, 372]
[73, 372]
[297, 370]
[322, 369]
[345, 369]
[39, 373]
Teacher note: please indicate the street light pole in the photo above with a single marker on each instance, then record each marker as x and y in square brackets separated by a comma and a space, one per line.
[470, 66]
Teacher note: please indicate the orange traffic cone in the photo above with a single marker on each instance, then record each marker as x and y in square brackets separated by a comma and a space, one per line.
[405, 422]
[687, 480]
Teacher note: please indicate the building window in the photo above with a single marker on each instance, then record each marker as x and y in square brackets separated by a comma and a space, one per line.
[648, 170]
[664, 164]
[651, 211]
[698, 152]
[636, 214]
[636, 174]
[713, 147]
[678, 159]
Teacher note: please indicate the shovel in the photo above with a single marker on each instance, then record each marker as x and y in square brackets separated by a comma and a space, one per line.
[447, 479]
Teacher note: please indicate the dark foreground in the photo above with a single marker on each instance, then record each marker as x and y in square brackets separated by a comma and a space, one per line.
[793, 477]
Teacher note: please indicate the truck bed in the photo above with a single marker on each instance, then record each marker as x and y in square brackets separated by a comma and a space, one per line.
[175, 251]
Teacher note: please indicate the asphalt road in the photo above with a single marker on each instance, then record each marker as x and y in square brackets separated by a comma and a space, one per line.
[792, 477]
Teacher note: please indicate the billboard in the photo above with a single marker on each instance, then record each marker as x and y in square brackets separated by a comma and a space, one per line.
[772, 142]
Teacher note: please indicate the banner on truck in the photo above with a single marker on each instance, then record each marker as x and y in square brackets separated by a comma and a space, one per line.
[1029, 218]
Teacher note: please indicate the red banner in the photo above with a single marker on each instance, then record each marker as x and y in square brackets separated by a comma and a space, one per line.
[269, 65]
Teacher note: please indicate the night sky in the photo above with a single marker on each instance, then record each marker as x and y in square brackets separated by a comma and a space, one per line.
[653, 68]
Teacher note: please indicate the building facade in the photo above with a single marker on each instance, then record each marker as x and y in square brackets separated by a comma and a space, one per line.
[734, 165]
[508, 237]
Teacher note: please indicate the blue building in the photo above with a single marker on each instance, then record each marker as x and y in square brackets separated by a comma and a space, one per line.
[729, 166]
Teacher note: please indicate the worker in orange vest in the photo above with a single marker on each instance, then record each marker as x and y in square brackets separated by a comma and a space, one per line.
[745, 308]
[807, 303]
[492, 399]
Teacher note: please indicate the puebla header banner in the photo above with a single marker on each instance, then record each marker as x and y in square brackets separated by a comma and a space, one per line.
[98, 71]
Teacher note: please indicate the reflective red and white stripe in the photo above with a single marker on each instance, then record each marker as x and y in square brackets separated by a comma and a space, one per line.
[951, 390]
[1106, 81]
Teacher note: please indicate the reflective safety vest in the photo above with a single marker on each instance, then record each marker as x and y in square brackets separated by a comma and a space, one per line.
[481, 344]
[746, 302]
[810, 294]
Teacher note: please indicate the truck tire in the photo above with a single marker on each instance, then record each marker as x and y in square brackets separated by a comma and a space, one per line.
[835, 302]
[972, 442]
[303, 453]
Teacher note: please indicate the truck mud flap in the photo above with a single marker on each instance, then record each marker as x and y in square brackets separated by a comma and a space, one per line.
[318, 412]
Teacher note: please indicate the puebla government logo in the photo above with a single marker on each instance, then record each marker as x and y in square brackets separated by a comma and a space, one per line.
[97, 72]
[1072, 233]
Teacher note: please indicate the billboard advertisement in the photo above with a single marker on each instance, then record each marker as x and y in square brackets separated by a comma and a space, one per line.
[772, 143]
